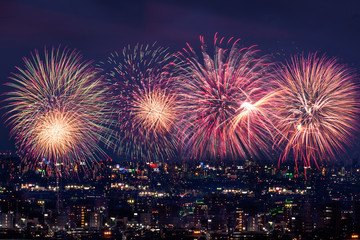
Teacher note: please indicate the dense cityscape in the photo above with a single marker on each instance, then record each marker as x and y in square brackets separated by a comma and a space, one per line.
[181, 120]
[181, 200]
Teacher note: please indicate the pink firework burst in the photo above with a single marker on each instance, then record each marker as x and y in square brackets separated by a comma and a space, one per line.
[223, 101]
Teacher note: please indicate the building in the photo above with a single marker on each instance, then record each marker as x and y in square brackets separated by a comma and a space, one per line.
[6, 221]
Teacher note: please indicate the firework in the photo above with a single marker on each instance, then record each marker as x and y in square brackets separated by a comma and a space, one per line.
[58, 110]
[223, 102]
[154, 110]
[139, 80]
[316, 108]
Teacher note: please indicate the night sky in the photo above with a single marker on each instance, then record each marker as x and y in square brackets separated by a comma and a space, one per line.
[99, 27]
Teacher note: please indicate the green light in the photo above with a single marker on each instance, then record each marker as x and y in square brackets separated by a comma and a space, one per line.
[199, 201]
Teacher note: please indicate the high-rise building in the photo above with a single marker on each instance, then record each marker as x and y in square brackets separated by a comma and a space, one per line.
[330, 218]
[79, 216]
[240, 220]
[6, 220]
[95, 220]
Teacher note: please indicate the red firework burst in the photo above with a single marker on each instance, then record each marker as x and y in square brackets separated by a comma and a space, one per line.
[223, 101]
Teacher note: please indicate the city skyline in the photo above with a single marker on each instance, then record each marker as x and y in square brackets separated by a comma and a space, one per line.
[162, 200]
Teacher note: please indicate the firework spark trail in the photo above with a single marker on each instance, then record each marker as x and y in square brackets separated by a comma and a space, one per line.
[316, 108]
[139, 79]
[58, 111]
[224, 101]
